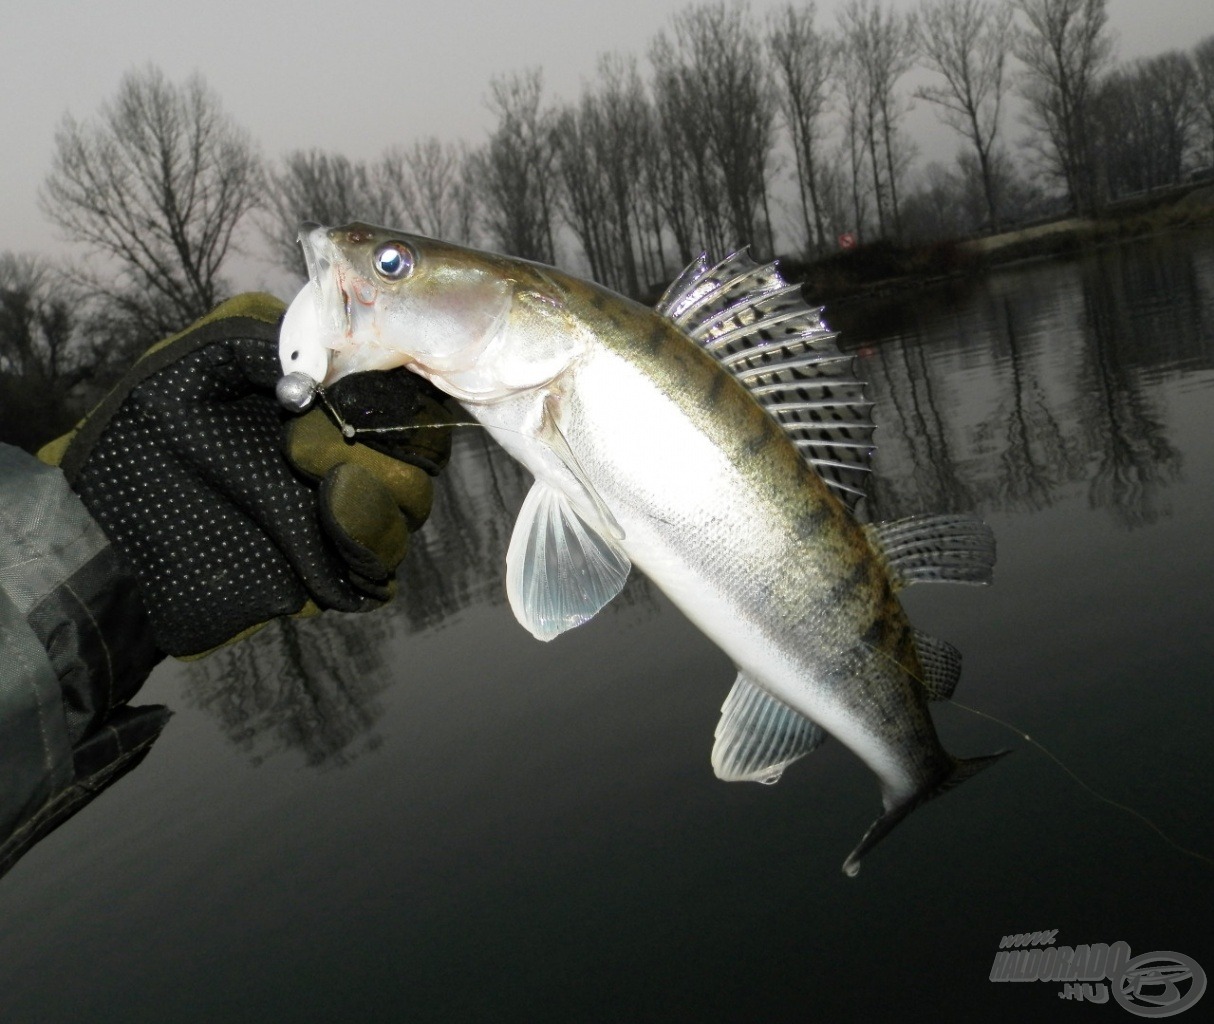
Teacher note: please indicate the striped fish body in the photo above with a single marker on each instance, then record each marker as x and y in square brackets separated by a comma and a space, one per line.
[648, 450]
[720, 510]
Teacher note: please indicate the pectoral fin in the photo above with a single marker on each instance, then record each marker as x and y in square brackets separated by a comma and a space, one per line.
[550, 434]
[560, 570]
[759, 736]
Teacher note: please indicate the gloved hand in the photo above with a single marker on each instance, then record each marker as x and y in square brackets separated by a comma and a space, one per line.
[183, 467]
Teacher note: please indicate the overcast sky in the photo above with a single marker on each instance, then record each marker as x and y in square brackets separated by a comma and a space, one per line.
[357, 77]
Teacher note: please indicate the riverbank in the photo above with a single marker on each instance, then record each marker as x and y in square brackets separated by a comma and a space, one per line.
[885, 267]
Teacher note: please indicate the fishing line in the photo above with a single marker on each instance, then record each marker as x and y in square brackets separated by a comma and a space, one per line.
[354, 432]
[350, 432]
[1081, 783]
[1053, 757]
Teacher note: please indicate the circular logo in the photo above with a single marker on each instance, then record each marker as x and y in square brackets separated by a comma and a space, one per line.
[1159, 984]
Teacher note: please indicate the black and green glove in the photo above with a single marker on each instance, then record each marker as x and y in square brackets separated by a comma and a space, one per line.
[183, 467]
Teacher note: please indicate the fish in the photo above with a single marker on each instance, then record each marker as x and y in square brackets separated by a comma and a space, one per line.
[719, 442]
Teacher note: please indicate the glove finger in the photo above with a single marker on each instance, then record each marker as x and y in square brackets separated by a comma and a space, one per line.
[404, 416]
[316, 447]
[425, 442]
[363, 521]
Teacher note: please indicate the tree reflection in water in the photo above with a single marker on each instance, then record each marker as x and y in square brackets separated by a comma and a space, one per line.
[307, 685]
[1038, 379]
[312, 685]
[1118, 417]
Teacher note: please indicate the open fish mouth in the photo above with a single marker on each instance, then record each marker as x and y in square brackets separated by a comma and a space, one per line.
[317, 322]
[345, 299]
[332, 299]
[308, 231]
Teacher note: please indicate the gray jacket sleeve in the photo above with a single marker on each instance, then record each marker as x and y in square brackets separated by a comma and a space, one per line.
[75, 648]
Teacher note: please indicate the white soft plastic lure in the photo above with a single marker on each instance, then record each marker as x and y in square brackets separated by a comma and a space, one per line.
[718, 442]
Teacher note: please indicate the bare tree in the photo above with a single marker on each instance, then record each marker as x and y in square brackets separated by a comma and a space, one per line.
[515, 172]
[467, 200]
[429, 178]
[1203, 62]
[601, 145]
[1064, 45]
[159, 184]
[881, 43]
[627, 120]
[931, 211]
[856, 119]
[37, 323]
[321, 187]
[42, 357]
[834, 195]
[583, 185]
[717, 68]
[1172, 83]
[804, 70]
[1015, 196]
[681, 171]
[422, 188]
[965, 42]
[1146, 115]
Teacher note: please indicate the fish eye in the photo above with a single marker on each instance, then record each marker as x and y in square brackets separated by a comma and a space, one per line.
[393, 261]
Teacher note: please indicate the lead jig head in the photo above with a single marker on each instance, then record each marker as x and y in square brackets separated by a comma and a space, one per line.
[296, 391]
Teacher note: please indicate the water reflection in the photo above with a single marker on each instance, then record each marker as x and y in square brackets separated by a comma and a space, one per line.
[1118, 417]
[313, 685]
[1004, 395]
[1036, 380]
[1037, 455]
[310, 686]
[915, 432]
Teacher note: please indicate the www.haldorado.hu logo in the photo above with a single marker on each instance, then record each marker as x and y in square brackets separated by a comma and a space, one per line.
[1158, 984]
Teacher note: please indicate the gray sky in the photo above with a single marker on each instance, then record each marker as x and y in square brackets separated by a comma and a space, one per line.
[358, 77]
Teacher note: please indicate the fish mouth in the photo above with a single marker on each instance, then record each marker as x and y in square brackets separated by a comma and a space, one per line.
[306, 238]
[333, 301]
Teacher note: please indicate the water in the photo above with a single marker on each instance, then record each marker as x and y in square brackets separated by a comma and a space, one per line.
[424, 814]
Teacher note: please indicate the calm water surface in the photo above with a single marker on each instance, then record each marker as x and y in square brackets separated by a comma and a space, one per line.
[426, 815]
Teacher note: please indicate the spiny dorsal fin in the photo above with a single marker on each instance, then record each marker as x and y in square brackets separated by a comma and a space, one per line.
[945, 548]
[758, 736]
[704, 289]
[941, 664]
[761, 329]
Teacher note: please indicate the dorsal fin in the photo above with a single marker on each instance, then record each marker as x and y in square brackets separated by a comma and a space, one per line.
[761, 329]
[935, 548]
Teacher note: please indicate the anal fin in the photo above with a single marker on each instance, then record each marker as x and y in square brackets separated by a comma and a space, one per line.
[759, 736]
[941, 664]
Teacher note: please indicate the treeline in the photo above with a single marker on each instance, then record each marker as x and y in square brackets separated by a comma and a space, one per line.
[782, 133]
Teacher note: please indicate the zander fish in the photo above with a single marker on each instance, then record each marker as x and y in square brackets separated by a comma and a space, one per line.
[718, 442]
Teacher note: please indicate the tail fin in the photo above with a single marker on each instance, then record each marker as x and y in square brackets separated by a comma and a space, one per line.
[963, 768]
